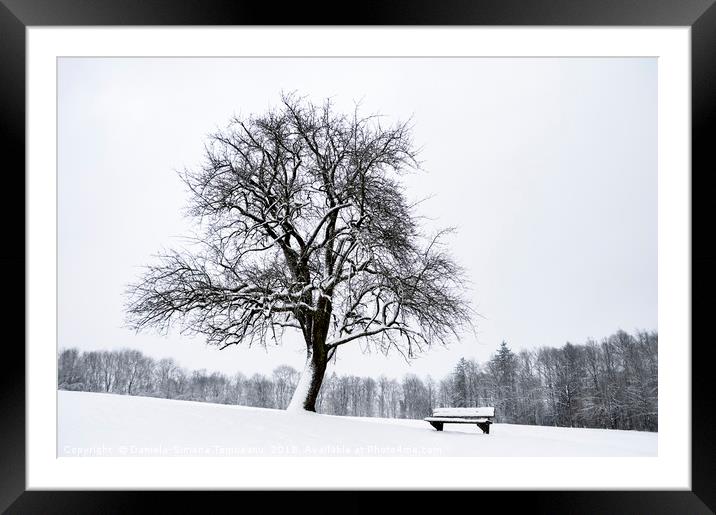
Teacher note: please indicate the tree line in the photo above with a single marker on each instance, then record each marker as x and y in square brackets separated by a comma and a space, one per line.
[608, 384]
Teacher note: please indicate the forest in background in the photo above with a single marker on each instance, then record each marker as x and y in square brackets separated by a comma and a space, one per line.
[608, 384]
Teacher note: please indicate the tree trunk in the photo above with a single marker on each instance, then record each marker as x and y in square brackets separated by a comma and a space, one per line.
[306, 393]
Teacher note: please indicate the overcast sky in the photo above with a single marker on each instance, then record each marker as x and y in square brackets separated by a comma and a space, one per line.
[547, 167]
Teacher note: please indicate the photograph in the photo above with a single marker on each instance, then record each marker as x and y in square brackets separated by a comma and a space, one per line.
[275, 253]
[357, 257]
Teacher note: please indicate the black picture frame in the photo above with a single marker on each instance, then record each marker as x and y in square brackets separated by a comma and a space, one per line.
[16, 15]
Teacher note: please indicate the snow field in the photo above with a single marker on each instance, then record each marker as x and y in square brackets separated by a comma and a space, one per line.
[95, 424]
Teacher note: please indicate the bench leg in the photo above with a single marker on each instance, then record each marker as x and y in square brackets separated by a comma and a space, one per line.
[485, 426]
[437, 425]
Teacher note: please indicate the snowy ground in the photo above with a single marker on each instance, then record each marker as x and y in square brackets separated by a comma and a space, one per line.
[94, 424]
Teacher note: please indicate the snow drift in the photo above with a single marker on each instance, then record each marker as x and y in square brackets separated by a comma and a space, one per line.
[94, 424]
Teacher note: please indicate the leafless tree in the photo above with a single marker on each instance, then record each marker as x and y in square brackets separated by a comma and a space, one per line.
[304, 225]
[285, 379]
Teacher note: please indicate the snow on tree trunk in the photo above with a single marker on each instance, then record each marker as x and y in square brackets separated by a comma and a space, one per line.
[298, 399]
[306, 393]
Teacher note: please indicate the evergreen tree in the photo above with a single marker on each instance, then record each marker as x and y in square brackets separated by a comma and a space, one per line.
[503, 368]
[459, 393]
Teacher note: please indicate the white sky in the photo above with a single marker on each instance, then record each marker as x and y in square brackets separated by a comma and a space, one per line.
[546, 166]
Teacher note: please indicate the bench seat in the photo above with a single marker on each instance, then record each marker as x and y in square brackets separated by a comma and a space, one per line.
[456, 420]
[487, 411]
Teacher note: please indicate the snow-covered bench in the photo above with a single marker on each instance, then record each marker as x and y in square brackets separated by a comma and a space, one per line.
[480, 416]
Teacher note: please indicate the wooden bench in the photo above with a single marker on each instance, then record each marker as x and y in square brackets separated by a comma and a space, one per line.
[482, 417]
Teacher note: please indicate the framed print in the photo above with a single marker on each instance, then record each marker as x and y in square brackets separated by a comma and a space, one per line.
[420, 249]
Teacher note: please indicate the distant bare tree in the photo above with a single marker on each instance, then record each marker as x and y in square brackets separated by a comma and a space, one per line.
[304, 226]
[285, 379]
[69, 368]
[165, 372]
